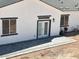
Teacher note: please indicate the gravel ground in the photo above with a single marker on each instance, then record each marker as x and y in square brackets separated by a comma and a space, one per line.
[68, 51]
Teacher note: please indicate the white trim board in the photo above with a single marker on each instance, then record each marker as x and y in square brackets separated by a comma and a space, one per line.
[55, 42]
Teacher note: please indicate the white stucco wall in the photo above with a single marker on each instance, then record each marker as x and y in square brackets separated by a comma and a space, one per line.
[27, 12]
[74, 20]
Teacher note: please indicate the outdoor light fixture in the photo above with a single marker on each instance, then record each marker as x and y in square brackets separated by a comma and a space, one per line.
[53, 19]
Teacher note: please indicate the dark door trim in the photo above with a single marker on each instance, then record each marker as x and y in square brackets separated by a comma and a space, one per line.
[49, 27]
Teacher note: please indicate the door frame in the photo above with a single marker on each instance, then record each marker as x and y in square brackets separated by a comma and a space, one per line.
[49, 26]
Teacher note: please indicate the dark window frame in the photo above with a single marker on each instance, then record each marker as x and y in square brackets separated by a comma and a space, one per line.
[9, 19]
[65, 18]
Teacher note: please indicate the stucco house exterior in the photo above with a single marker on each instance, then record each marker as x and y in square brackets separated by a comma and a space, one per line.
[28, 23]
[32, 19]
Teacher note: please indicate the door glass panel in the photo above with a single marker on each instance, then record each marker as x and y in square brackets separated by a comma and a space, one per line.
[39, 29]
[5, 26]
[46, 28]
[13, 26]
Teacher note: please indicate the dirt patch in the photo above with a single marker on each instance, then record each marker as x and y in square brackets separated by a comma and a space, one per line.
[68, 51]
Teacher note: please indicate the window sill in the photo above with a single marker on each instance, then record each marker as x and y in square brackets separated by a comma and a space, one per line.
[3, 35]
[64, 25]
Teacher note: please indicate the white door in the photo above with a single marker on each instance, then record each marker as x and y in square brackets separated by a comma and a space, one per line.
[43, 29]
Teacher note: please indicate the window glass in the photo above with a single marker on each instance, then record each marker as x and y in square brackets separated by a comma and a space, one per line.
[8, 26]
[12, 26]
[66, 20]
[39, 29]
[62, 20]
[45, 28]
[5, 26]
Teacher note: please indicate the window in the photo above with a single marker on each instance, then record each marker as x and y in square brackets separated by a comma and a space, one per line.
[64, 20]
[8, 26]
